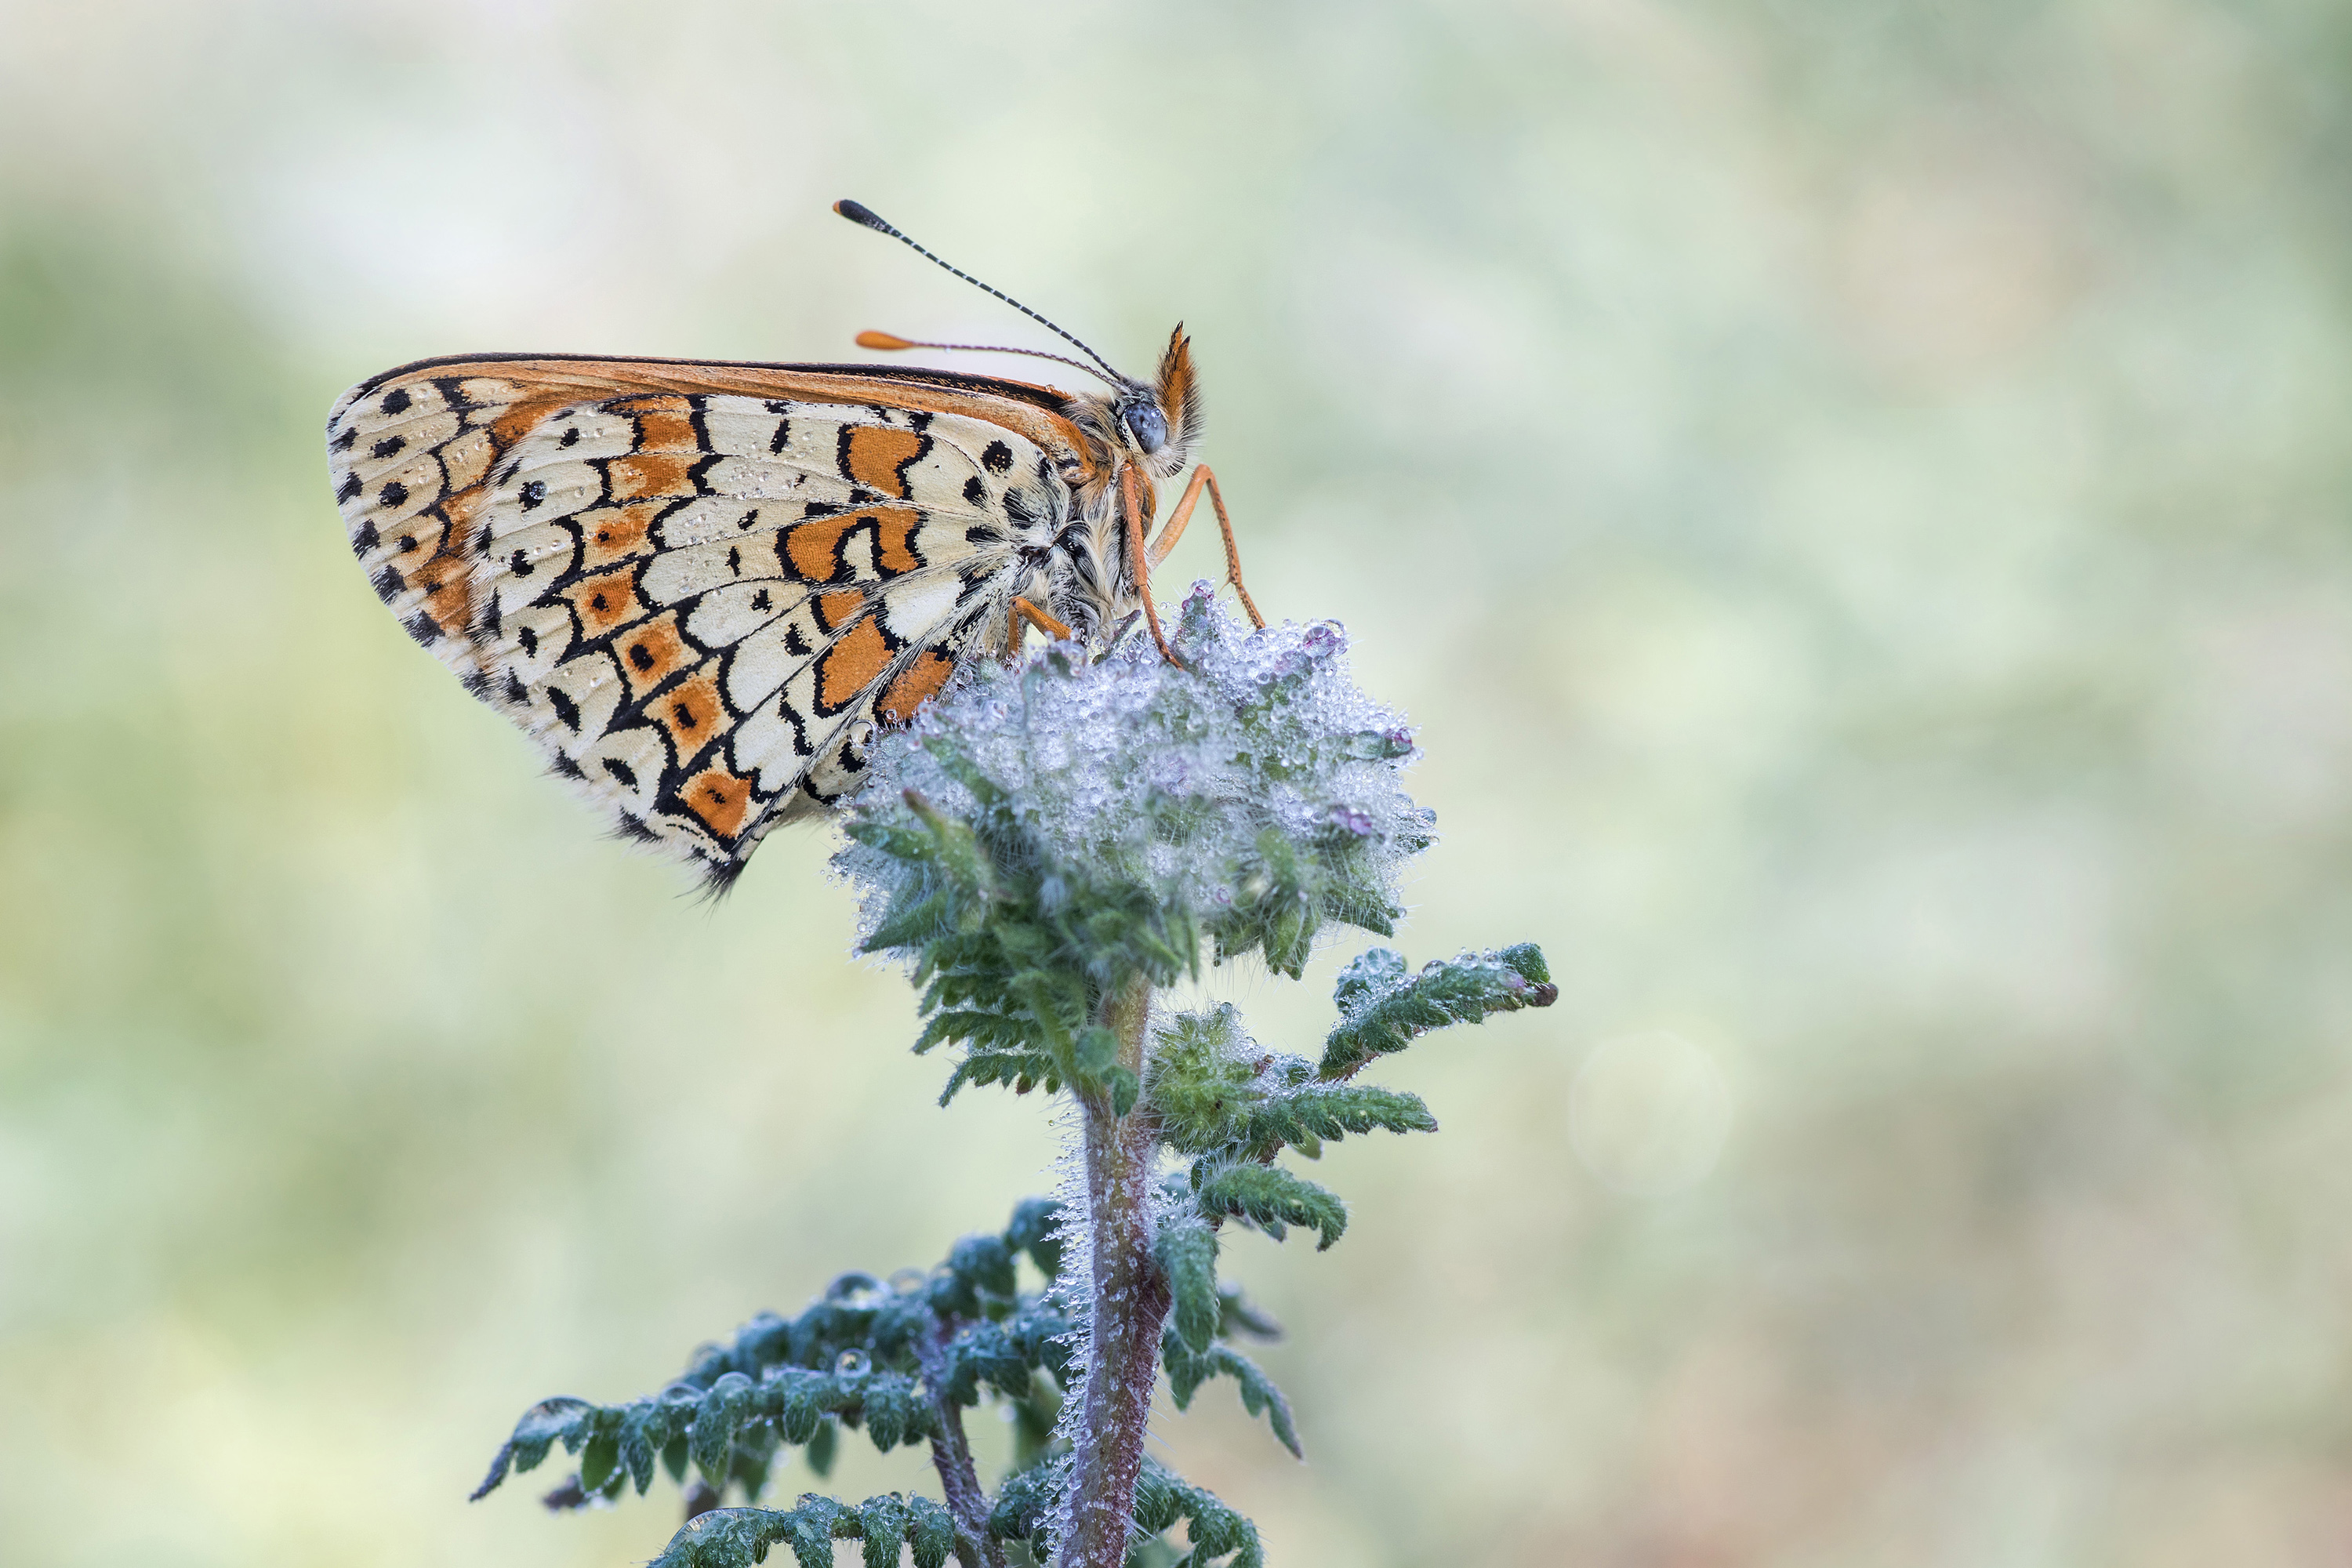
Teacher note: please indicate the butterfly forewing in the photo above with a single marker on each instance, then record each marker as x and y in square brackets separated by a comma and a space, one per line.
[698, 601]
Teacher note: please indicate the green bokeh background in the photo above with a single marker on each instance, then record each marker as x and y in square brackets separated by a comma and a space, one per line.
[1854, 495]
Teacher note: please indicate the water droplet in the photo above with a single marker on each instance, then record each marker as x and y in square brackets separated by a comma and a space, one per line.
[852, 1363]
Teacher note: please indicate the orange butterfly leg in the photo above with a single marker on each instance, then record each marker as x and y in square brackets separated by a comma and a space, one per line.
[1204, 479]
[1023, 615]
[1131, 503]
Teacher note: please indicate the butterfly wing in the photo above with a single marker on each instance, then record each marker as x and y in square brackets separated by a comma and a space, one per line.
[696, 587]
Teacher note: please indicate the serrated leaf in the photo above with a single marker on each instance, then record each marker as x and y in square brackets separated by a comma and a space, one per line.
[542, 1426]
[1187, 1370]
[1382, 1011]
[1271, 1197]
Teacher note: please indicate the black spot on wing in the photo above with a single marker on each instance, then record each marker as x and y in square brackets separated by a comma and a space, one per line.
[351, 487]
[420, 627]
[566, 710]
[388, 447]
[997, 457]
[975, 492]
[388, 584]
[620, 770]
[396, 401]
[366, 539]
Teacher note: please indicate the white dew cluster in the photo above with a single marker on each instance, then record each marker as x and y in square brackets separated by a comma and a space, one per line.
[1126, 764]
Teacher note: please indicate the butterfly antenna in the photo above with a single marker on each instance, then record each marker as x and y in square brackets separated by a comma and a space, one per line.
[857, 212]
[892, 341]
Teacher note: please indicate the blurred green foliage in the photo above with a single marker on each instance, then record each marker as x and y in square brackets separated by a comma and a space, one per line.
[1867, 478]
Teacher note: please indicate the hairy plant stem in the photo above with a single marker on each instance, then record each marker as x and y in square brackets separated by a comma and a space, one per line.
[951, 1454]
[1130, 1302]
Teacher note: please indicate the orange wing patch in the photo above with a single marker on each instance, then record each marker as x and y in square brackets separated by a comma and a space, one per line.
[448, 598]
[894, 539]
[644, 474]
[653, 653]
[812, 551]
[615, 536]
[663, 424]
[851, 665]
[834, 609]
[878, 456]
[606, 601]
[692, 713]
[720, 799]
[916, 684]
[521, 418]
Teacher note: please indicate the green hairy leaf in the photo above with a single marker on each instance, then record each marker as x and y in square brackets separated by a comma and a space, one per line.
[1272, 1199]
[1382, 1009]
[851, 1358]
[1187, 1250]
[1188, 1369]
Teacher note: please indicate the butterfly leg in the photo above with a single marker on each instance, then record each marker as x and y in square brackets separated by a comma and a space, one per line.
[1204, 479]
[1023, 615]
[1131, 505]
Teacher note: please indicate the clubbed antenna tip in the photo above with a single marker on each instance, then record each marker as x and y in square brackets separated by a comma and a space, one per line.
[859, 213]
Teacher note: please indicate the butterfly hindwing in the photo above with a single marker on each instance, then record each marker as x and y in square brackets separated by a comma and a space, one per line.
[697, 603]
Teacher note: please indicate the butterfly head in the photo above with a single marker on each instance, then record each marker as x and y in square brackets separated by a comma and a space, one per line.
[1158, 421]
[1153, 422]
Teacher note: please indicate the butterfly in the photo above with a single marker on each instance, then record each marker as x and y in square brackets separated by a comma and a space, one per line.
[702, 586]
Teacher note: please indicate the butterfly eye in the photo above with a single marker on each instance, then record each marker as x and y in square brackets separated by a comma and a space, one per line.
[1148, 426]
